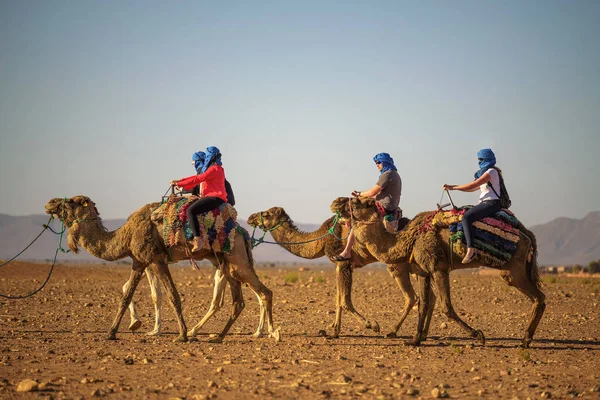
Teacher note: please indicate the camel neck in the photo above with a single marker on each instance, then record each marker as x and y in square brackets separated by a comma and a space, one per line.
[289, 233]
[389, 248]
[96, 240]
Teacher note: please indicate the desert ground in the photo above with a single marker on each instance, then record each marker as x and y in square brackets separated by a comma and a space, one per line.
[57, 339]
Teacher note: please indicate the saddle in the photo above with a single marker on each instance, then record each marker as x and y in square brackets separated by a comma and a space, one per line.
[495, 237]
[218, 227]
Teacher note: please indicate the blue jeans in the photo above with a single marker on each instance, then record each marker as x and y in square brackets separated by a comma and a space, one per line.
[480, 211]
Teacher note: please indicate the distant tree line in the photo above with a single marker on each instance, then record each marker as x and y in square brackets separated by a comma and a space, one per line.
[594, 267]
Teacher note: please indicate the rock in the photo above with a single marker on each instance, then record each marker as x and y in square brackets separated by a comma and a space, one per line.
[344, 378]
[212, 384]
[546, 395]
[88, 305]
[443, 325]
[412, 392]
[27, 385]
[438, 393]
[128, 361]
[220, 370]
[322, 333]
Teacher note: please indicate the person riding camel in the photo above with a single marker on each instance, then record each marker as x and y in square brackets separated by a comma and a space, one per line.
[212, 190]
[386, 192]
[486, 178]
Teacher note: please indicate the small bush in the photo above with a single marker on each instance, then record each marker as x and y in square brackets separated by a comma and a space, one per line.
[549, 279]
[456, 349]
[291, 277]
[320, 279]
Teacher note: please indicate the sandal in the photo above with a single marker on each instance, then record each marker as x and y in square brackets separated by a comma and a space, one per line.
[339, 258]
[468, 258]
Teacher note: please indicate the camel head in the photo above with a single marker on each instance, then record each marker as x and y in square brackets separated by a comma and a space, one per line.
[269, 219]
[362, 209]
[72, 210]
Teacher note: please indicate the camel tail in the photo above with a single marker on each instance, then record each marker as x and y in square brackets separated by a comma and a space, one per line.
[532, 264]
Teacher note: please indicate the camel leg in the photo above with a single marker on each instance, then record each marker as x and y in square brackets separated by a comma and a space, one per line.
[167, 280]
[135, 323]
[423, 288]
[442, 281]
[134, 279]
[156, 293]
[517, 277]
[429, 315]
[341, 286]
[237, 308]
[346, 297]
[401, 275]
[263, 316]
[216, 303]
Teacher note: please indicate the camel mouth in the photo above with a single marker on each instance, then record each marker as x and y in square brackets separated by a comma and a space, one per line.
[54, 208]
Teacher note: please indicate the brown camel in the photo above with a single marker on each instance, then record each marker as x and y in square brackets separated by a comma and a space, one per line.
[141, 239]
[311, 245]
[425, 241]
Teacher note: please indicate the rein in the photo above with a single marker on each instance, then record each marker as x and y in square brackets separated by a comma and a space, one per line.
[256, 242]
[59, 248]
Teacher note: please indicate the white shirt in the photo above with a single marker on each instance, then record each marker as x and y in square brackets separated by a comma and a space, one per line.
[486, 192]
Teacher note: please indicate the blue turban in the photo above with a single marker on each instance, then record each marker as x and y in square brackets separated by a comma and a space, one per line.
[386, 160]
[213, 157]
[198, 159]
[487, 159]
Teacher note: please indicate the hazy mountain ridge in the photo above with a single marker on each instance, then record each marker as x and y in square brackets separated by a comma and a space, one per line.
[560, 241]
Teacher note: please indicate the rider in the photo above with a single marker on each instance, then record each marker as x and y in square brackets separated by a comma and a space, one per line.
[198, 162]
[489, 202]
[386, 192]
[212, 191]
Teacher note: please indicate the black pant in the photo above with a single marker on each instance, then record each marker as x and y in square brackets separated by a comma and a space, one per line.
[198, 207]
[475, 213]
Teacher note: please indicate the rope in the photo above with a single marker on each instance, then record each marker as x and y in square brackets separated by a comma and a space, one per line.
[46, 226]
[256, 242]
[59, 248]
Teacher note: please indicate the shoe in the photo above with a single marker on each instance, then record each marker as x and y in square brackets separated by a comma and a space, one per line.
[339, 258]
[197, 245]
[469, 256]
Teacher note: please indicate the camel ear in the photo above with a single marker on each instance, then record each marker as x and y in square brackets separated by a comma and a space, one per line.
[83, 200]
[278, 211]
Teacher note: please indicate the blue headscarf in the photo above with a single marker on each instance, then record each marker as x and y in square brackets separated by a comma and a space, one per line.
[213, 157]
[487, 159]
[386, 160]
[198, 159]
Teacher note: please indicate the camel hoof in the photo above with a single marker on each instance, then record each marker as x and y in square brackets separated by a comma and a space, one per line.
[154, 332]
[111, 336]
[192, 333]
[258, 334]
[374, 326]
[525, 343]
[217, 339]
[412, 342]
[135, 325]
[276, 334]
[180, 339]
[481, 337]
[390, 335]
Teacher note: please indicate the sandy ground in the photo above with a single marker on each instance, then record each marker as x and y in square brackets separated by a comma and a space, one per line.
[57, 338]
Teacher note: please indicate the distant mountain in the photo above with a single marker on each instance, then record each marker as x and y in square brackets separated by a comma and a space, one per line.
[560, 241]
[18, 232]
[564, 241]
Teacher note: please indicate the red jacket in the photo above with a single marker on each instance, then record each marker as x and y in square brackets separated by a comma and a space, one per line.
[213, 182]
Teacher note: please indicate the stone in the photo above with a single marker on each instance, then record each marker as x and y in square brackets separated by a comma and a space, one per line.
[27, 385]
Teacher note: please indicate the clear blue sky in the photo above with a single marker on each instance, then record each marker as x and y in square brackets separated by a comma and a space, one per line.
[111, 98]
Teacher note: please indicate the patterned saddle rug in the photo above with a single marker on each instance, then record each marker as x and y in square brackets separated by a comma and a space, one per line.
[217, 227]
[494, 237]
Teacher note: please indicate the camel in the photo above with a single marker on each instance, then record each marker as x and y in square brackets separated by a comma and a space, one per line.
[140, 239]
[425, 242]
[311, 245]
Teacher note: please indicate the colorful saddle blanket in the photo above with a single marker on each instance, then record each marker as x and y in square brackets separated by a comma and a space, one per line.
[217, 227]
[494, 237]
